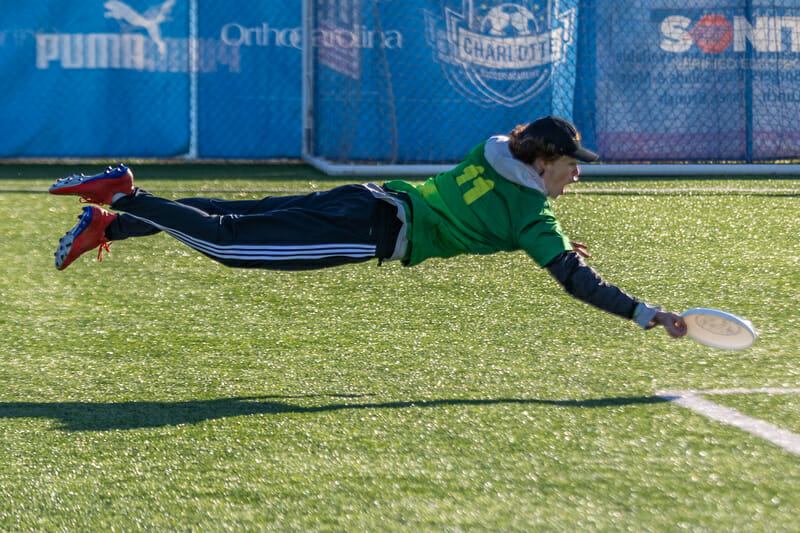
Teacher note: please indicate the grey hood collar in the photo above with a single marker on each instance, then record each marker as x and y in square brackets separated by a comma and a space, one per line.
[499, 156]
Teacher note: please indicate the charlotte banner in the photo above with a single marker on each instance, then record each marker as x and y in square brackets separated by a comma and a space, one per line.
[431, 79]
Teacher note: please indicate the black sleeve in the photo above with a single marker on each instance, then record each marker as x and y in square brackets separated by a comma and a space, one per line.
[581, 281]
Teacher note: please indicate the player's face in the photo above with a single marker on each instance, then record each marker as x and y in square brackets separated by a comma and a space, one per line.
[559, 173]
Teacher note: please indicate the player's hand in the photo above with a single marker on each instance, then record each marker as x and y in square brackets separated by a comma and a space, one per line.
[673, 323]
[581, 248]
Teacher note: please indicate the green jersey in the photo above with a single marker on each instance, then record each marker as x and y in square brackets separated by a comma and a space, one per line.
[474, 209]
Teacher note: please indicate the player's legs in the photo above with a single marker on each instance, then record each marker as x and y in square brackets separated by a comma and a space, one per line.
[343, 225]
[98, 228]
[216, 206]
[126, 226]
[101, 189]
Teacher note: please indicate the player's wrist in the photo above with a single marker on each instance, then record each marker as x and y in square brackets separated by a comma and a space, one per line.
[645, 315]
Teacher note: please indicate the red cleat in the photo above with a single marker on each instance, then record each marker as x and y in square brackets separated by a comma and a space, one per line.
[88, 234]
[97, 189]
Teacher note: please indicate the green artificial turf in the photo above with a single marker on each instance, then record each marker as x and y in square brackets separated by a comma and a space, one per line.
[158, 390]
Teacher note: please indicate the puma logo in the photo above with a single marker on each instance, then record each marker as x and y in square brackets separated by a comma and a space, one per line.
[150, 21]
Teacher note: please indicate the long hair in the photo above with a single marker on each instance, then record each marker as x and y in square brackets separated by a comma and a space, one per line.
[528, 148]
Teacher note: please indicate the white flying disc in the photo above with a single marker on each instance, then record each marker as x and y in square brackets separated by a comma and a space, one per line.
[719, 329]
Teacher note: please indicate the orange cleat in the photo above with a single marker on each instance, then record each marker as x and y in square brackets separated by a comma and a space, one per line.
[97, 189]
[88, 234]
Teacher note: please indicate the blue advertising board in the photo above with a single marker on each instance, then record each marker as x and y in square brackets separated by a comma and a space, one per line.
[250, 94]
[405, 81]
[771, 34]
[453, 71]
[699, 80]
[81, 79]
[106, 78]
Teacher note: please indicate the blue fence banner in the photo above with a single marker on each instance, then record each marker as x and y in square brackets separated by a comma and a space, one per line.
[426, 80]
[105, 78]
[84, 79]
[400, 81]
[250, 91]
[700, 80]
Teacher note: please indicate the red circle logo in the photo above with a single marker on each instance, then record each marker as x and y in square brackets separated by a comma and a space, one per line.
[713, 34]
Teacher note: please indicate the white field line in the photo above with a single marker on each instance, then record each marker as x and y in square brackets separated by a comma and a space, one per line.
[692, 399]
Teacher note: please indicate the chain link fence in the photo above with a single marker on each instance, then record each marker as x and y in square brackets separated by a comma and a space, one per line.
[391, 81]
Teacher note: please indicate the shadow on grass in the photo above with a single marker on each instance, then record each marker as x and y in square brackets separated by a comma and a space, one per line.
[90, 416]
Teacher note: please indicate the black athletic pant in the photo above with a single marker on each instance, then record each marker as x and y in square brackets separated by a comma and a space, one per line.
[343, 225]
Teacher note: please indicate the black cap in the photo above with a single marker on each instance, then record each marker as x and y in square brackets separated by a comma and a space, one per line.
[562, 134]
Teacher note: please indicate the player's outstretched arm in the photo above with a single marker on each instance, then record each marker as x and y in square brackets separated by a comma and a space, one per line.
[582, 282]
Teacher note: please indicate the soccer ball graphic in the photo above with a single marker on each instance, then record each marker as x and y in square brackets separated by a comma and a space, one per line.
[508, 20]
